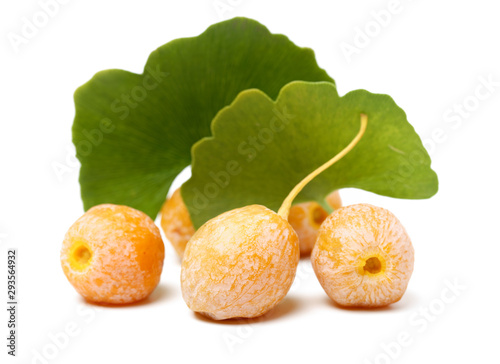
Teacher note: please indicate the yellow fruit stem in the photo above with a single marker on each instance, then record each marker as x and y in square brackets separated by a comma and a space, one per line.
[287, 203]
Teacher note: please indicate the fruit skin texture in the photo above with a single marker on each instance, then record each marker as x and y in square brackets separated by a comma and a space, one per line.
[347, 240]
[306, 219]
[239, 264]
[176, 222]
[113, 254]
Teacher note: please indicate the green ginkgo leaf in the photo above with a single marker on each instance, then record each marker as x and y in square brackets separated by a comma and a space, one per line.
[260, 149]
[133, 133]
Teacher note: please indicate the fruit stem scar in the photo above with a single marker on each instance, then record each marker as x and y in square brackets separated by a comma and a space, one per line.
[373, 265]
[80, 256]
[319, 215]
[287, 203]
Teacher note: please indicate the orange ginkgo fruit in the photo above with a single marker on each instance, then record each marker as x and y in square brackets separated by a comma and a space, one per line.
[306, 219]
[240, 263]
[363, 256]
[176, 222]
[113, 254]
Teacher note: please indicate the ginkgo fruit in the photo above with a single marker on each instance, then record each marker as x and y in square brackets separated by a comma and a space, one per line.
[113, 254]
[243, 262]
[176, 222]
[240, 264]
[363, 256]
[306, 219]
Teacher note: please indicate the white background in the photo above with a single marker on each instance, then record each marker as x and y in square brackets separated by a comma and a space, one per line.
[430, 57]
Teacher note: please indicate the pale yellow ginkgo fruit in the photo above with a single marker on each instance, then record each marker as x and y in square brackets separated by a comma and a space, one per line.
[363, 256]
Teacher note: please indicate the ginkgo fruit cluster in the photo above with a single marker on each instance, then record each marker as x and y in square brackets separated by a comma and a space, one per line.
[243, 262]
